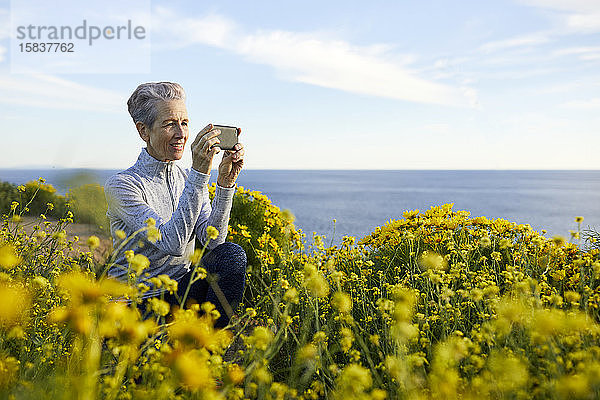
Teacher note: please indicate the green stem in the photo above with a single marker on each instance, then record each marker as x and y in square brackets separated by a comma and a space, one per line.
[192, 280]
[120, 372]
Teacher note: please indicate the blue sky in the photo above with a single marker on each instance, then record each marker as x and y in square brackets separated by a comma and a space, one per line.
[337, 85]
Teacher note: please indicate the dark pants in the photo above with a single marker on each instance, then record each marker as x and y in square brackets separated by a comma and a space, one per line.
[228, 263]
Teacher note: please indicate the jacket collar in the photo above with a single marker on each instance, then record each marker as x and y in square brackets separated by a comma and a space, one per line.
[150, 164]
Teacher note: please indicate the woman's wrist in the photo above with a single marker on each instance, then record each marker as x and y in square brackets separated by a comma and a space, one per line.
[201, 167]
[225, 183]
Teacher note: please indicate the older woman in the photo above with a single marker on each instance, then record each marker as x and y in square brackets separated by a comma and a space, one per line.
[177, 199]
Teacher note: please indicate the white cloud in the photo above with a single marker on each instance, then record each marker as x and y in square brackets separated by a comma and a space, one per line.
[4, 23]
[576, 50]
[584, 53]
[177, 31]
[337, 64]
[578, 15]
[584, 22]
[437, 128]
[574, 16]
[590, 104]
[574, 6]
[47, 91]
[313, 58]
[569, 86]
[4, 31]
[532, 39]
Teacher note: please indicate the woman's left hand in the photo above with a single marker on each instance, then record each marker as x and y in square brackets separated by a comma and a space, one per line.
[230, 166]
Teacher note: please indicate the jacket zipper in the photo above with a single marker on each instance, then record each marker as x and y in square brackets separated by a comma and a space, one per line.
[169, 186]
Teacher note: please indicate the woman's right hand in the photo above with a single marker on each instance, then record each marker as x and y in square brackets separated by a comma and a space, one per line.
[204, 149]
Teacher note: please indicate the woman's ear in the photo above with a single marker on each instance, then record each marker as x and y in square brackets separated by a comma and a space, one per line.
[142, 131]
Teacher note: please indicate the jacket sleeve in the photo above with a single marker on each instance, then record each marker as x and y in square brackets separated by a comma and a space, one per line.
[126, 201]
[216, 215]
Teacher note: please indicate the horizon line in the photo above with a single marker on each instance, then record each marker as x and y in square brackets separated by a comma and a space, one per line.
[318, 169]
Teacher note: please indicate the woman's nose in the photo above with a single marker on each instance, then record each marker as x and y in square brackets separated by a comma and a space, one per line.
[179, 131]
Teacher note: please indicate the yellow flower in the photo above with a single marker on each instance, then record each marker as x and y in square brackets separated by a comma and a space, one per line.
[236, 374]
[194, 371]
[58, 314]
[153, 234]
[201, 272]
[291, 296]
[93, 242]
[16, 333]
[287, 216]
[212, 232]
[315, 282]
[160, 307]
[410, 214]
[40, 282]
[559, 241]
[61, 237]
[262, 375]
[139, 262]
[575, 387]
[188, 330]
[196, 257]
[279, 390]
[9, 369]
[120, 234]
[579, 219]
[508, 372]
[83, 288]
[169, 284]
[485, 241]
[347, 339]
[123, 323]
[432, 261]
[260, 338]
[15, 302]
[504, 243]
[210, 309]
[157, 283]
[378, 394]
[8, 257]
[341, 302]
[150, 222]
[572, 297]
[353, 381]
[496, 256]
[374, 339]
[319, 337]
[307, 353]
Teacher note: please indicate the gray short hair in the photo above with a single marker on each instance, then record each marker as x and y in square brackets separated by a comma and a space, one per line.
[142, 103]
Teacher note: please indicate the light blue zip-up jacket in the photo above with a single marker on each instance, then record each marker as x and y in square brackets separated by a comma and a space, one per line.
[178, 201]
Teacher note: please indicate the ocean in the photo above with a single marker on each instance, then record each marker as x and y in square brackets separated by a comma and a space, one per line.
[359, 201]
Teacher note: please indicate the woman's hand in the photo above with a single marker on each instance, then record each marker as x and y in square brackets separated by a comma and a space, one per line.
[230, 166]
[204, 149]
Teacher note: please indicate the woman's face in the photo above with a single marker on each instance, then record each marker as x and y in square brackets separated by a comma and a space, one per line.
[166, 138]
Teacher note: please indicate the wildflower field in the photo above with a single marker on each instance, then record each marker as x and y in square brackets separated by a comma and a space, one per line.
[434, 305]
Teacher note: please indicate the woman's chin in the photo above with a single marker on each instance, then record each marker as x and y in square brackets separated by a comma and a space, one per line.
[174, 156]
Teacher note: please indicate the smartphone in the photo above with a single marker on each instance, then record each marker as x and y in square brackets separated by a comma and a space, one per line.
[228, 136]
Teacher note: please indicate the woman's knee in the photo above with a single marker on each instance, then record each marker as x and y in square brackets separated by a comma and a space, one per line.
[229, 255]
